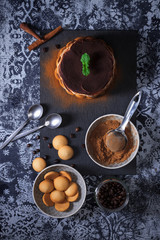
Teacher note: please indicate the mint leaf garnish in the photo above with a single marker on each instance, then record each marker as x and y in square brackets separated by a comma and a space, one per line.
[85, 60]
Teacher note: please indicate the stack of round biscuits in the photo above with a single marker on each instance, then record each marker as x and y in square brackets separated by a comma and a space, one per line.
[59, 190]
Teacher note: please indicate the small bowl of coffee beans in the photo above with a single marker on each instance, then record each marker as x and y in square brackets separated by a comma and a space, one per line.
[112, 195]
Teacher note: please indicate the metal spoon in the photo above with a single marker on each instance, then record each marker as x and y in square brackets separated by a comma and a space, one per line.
[52, 121]
[34, 113]
[116, 139]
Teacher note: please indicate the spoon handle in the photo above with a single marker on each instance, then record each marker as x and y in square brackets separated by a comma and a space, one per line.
[23, 134]
[130, 110]
[9, 139]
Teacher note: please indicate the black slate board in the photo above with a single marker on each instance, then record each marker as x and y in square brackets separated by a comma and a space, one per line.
[81, 113]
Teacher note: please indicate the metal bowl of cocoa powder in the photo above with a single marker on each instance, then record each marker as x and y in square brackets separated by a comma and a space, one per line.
[112, 195]
[98, 150]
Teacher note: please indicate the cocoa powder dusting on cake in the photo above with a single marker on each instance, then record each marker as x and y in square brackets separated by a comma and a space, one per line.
[103, 154]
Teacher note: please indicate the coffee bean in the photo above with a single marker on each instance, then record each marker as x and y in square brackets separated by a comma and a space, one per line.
[57, 161]
[45, 49]
[45, 138]
[77, 129]
[72, 135]
[110, 192]
[29, 145]
[121, 203]
[123, 193]
[58, 46]
[50, 145]
[38, 137]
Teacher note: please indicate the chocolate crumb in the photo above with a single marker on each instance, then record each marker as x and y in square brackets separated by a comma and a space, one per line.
[45, 49]
[50, 145]
[37, 150]
[72, 135]
[58, 46]
[29, 145]
[57, 161]
[34, 152]
[38, 137]
[77, 129]
[45, 138]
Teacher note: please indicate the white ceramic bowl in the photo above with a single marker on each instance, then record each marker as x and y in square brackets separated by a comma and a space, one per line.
[74, 206]
[89, 148]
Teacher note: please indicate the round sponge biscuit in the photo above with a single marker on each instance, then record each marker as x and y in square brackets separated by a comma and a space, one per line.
[61, 207]
[72, 189]
[38, 164]
[46, 186]
[65, 152]
[74, 198]
[59, 141]
[47, 201]
[57, 196]
[66, 174]
[51, 175]
[61, 183]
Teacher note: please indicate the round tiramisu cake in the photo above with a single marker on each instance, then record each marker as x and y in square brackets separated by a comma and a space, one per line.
[85, 67]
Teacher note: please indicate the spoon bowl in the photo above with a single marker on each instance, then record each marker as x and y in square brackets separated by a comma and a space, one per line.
[116, 140]
[35, 112]
[53, 121]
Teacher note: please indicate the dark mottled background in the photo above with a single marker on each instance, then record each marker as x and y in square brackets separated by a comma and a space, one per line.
[20, 88]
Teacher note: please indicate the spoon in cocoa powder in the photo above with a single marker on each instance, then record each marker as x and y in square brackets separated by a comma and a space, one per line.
[116, 139]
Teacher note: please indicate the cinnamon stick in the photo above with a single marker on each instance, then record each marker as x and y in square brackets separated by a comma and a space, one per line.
[27, 29]
[45, 38]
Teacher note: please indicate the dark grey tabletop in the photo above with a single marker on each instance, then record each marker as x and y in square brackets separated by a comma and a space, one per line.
[20, 88]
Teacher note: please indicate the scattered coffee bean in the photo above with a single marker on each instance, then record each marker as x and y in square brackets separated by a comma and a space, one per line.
[57, 161]
[73, 165]
[58, 46]
[38, 137]
[83, 145]
[77, 129]
[45, 138]
[37, 150]
[34, 152]
[72, 135]
[50, 145]
[112, 195]
[29, 145]
[45, 49]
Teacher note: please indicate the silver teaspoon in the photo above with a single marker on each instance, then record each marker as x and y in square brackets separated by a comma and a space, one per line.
[116, 139]
[35, 112]
[52, 121]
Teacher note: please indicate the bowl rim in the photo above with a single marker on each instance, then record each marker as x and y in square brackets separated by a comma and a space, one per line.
[59, 165]
[125, 162]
